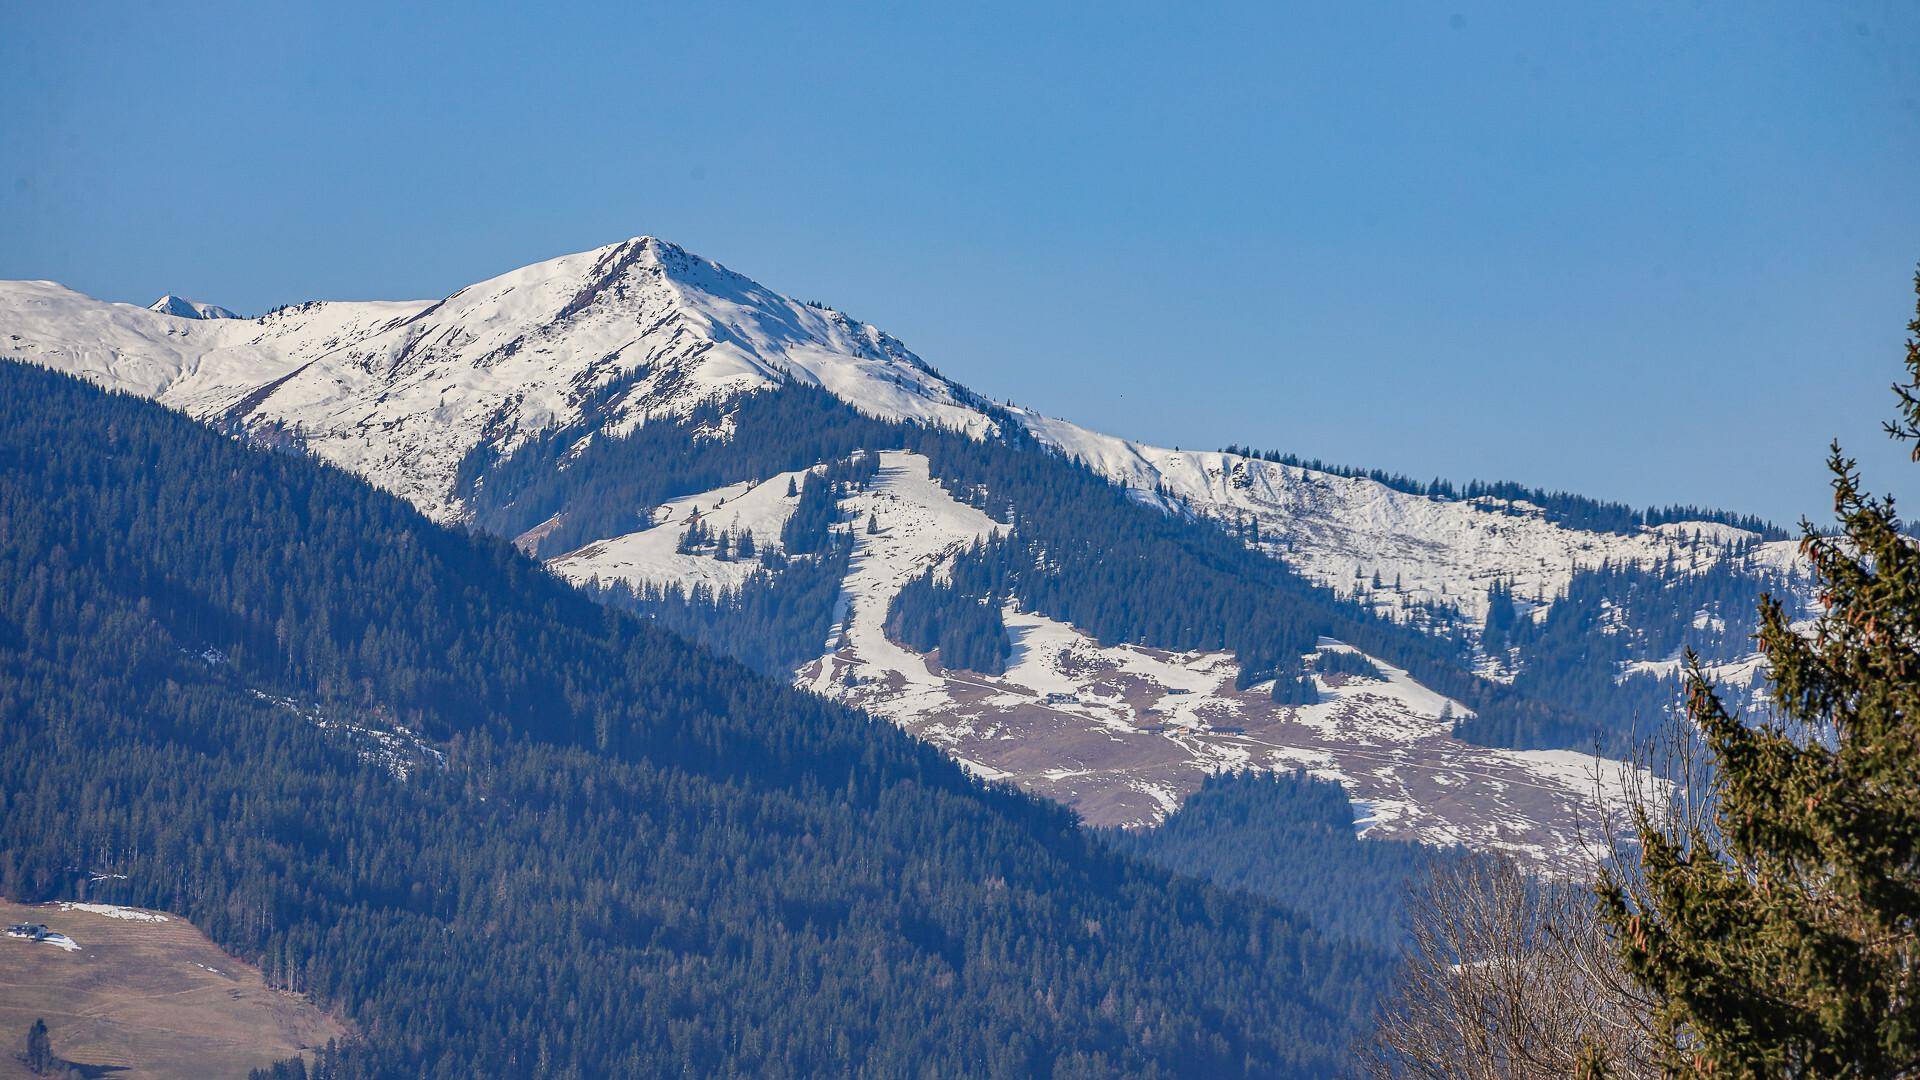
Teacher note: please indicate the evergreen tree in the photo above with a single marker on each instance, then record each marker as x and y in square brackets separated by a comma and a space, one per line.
[1778, 933]
[1500, 617]
[39, 1048]
[1341, 662]
[1295, 690]
[691, 540]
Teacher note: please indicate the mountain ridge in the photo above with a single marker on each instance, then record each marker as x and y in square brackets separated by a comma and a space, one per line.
[399, 391]
[685, 330]
[642, 343]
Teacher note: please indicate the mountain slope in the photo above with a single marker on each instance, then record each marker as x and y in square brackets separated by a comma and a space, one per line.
[1345, 530]
[600, 407]
[508, 832]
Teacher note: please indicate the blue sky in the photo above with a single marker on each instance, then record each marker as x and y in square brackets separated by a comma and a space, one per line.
[1654, 253]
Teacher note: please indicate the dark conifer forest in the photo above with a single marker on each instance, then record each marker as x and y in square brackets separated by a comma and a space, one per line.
[1609, 617]
[505, 830]
[1290, 837]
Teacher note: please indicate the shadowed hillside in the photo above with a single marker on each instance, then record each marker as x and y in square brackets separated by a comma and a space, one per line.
[506, 831]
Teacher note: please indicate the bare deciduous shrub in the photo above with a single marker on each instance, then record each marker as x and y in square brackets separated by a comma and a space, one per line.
[1509, 976]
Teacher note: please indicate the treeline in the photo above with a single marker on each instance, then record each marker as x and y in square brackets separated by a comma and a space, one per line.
[1569, 509]
[1341, 662]
[634, 858]
[1083, 550]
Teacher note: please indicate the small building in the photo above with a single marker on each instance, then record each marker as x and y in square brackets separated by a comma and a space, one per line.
[30, 931]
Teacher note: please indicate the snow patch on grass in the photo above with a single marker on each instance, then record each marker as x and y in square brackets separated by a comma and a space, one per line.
[114, 911]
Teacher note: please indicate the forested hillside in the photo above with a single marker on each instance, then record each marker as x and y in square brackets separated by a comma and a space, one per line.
[1290, 837]
[1608, 652]
[507, 831]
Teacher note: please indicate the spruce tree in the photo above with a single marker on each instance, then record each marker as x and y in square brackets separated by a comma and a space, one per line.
[39, 1048]
[1778, 933]
[1500, 617]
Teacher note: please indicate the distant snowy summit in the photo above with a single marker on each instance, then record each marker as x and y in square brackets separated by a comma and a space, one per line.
[183, 308]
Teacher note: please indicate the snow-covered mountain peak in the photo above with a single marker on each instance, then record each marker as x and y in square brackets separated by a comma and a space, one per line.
[401, 392]
[641, 328]
[180, 307]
